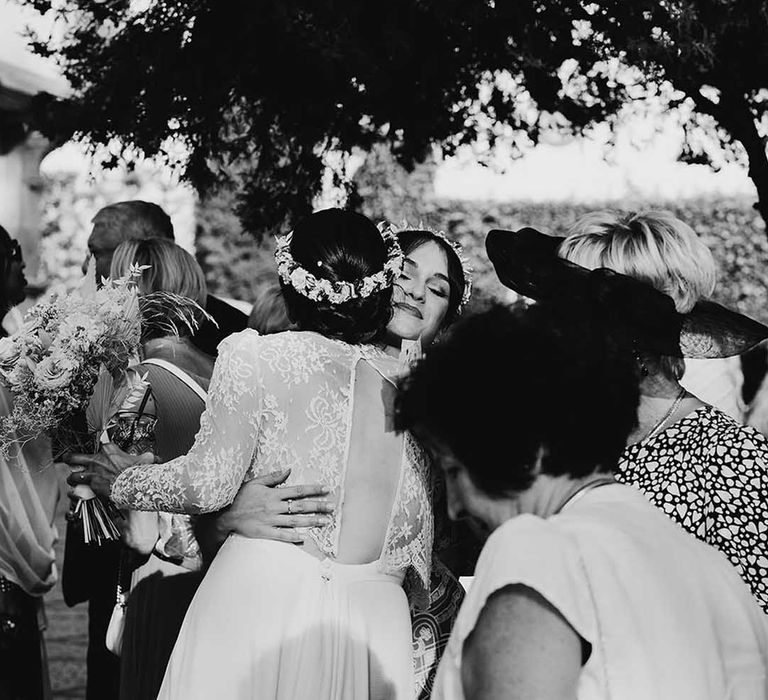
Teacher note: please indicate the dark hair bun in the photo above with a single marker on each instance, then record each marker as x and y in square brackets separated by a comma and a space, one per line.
[339, 245]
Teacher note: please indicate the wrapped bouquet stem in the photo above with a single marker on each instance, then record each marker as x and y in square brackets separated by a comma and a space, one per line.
[96, 516]
[116, 412]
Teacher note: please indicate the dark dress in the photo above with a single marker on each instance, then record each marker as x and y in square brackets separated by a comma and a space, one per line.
[710, 474]
[23, 671]
[456, 549]
[89, 573]
[157, 604]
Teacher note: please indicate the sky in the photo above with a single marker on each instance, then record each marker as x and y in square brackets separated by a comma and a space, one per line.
[641, 165]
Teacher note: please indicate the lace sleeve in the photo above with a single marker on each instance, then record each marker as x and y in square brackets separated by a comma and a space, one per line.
[208, 477]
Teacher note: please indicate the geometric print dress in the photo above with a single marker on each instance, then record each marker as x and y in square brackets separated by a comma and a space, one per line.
[710, 474]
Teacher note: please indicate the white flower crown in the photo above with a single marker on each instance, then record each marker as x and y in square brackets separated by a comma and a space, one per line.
[457, 248]
[321, 289]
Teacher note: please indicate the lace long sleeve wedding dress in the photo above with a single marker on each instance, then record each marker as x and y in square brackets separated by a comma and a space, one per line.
[329, 618]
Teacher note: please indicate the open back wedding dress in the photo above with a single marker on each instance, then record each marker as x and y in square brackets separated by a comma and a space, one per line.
[330, 618]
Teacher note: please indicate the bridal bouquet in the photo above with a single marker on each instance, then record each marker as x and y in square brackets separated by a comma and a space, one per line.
[66, 369]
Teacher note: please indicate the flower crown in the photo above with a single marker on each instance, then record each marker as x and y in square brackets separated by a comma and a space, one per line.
[322, 289]
[456, 247]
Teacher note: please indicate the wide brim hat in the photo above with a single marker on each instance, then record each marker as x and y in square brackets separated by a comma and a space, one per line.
[527, 262]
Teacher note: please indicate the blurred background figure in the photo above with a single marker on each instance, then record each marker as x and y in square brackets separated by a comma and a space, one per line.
[29, 492]
[137, 220]
[14, 283]
[132, 220]
[268, 313]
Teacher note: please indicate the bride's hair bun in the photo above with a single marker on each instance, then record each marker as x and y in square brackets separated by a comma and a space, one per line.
[339, 246]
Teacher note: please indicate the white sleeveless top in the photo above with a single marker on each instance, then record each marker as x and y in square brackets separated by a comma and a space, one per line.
[667, 616]
[285, 401]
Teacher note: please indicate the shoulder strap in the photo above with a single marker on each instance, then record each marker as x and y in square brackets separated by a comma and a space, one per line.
[387, 366]
[180, 374]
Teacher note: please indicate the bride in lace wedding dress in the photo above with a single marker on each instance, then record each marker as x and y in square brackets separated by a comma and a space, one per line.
[329, 618]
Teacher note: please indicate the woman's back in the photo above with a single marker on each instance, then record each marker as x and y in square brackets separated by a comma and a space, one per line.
[178, 405]
[373, 472]
[326, 413]
[288, 401]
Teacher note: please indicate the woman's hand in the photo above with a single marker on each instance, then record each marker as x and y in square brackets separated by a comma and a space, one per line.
[261, 511]
[100, 471]
[140, 530]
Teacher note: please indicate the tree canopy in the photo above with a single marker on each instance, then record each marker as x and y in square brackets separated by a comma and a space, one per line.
[260, 92]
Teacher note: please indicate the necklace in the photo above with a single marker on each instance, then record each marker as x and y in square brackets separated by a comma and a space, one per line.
[675, 404]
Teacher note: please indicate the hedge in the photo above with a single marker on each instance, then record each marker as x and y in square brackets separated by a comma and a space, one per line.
[234, 264]
[731, 228]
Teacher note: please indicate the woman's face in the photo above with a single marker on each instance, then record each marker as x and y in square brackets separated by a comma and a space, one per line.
[420, 297]
[464, 501]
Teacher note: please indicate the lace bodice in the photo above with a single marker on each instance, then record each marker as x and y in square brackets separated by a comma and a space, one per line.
[285, 401]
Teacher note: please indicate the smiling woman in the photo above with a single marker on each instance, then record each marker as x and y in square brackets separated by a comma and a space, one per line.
[431, 290]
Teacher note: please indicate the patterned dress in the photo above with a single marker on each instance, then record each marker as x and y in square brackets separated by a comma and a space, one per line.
[267, 608]
[710, 474]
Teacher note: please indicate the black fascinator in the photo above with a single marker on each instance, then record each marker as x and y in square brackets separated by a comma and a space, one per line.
[527, 262]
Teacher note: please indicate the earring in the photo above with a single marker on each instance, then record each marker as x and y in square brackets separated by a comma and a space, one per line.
[640, 363]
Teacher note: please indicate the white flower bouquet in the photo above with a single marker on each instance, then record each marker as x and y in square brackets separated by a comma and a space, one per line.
[66, 369]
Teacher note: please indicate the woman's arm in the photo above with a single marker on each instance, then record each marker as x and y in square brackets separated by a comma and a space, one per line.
[263, 511]
[521, 648]
[208, 477]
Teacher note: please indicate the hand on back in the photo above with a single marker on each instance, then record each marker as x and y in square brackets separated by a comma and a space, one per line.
[263, 511]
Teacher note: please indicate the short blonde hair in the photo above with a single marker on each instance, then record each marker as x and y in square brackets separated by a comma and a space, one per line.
[171, 268]
[652, 246]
